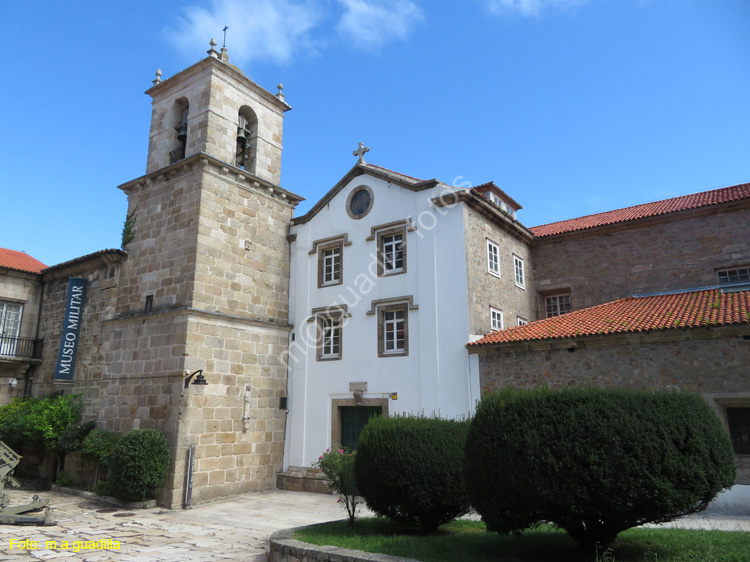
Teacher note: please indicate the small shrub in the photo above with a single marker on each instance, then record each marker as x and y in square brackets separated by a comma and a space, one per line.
[98, 445]
[138, 464]
[410, 470]
[63, 479]
[72, 437]
[39, 421]
[338, 466]
[594, 462]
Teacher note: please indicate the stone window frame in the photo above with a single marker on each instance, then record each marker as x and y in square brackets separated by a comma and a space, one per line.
[338, 403]
[381, 234]
[742, 275]
[379, 307]
[495, 314]
[518, 266]
[493, 248]
[353, 193]
[557, 294]
[318, 315]
[319, 247]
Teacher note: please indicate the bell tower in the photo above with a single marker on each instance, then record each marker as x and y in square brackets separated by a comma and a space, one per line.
[205, 286]
[214, 109]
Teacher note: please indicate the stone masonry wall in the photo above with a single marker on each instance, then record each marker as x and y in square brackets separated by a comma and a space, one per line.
[715, 367]
[607, 265]
[486, 290]
[242, 254]
[90, 361]
[234, 422]
[162, 253]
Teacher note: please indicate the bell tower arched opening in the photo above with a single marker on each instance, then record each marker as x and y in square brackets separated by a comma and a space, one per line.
[247, 139]
[178, 119]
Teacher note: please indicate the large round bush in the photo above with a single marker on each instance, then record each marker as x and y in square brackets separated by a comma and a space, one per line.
[594, 462]
[138, 464]
[410, 469]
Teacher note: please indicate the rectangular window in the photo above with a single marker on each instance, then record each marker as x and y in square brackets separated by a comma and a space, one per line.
[556, 305]
[330, 264]
[493, 258]
[519, 273]
[329, 338]
[729, 276]
[738, 420]
[522, 321]
[10, 326]
[392, 252]
[393, 331]
[496, 319]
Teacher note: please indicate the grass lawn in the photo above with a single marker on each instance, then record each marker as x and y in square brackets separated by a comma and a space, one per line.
[468, 541]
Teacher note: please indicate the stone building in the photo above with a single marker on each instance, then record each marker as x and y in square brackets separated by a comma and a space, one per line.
[297, 329]
[20, 302]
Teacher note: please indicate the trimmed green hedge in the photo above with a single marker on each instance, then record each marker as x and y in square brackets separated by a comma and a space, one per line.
[138, 464]
[410, 469]
[594, 462]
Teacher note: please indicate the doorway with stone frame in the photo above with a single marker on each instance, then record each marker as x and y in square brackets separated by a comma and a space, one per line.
[349, 416]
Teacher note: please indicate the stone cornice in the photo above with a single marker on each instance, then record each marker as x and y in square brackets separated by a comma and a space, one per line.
[189, 311]
[216, 66]
[90, 262]
[486, 209]
[203, 161]
[359, 170]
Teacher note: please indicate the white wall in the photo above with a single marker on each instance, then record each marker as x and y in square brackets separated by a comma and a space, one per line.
[434, 377]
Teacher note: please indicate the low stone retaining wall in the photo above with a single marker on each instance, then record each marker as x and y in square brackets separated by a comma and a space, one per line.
[284, 548]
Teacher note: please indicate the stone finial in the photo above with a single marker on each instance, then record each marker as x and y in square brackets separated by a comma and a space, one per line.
[157, 80]
[212, 51]
[280, 94]
[224, 56]
[360, 152]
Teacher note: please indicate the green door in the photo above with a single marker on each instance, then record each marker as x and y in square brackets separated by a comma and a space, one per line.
[353, 420]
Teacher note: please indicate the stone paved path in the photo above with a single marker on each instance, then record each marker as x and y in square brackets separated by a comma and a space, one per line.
[236, 530]
[233, 530]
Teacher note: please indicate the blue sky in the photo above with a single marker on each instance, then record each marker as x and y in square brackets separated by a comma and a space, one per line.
[571, 106]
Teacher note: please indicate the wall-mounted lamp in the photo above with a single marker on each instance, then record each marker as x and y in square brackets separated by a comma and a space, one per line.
[199, 380]
[13, 383]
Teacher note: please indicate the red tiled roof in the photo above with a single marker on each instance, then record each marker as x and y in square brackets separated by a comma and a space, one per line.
[20, 261]
[683, 203]
[634, 314]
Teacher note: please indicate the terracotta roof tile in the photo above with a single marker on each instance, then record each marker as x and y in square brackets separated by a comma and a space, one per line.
[20, 261]
[683, 203]
[687, 310]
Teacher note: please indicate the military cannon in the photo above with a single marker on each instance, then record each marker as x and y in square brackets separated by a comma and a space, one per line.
[9, 459]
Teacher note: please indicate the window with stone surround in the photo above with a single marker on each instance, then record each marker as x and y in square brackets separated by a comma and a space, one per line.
[521, 321]
[496, 318]
[555, 305]
[393, 330]
[392, 251]
[520, 276]
[330, 264]
[738, 420]
[329, 338]
[493, 258]
[731, 276]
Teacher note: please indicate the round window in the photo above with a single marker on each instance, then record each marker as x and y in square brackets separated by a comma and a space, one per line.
[360, 202]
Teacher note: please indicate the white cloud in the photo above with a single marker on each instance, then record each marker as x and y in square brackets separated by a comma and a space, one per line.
[270, 30]
[529, 7]
[369, 24]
